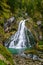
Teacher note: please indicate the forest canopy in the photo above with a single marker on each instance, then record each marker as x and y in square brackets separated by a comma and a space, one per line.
[34, 8]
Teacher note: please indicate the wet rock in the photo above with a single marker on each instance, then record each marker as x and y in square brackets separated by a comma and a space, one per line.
[35, 57]
[23, 55]
[29, 55]
[42, 63]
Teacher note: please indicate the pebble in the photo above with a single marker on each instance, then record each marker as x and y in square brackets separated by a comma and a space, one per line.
[27, 61]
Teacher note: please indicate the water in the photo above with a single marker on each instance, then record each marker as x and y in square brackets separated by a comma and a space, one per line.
[22, 39]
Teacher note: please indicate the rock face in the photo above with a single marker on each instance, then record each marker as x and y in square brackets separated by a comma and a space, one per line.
[8, 24]
[23, 38]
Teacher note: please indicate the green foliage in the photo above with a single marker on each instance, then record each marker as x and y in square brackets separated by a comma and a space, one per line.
[2, 62]
[40, 42]
[1, 23]
[6, 54]
[29, 6]
[5, 9]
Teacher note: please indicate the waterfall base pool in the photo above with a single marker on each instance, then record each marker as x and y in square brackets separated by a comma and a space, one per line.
[16, 51]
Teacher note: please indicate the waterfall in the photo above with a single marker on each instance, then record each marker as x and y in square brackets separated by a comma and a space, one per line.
[23, 38]
[21, 41]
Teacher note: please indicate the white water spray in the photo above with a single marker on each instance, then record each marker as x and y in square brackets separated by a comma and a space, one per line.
[20, 34]
[22, 37]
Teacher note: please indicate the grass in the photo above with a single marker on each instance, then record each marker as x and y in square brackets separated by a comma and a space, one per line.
[6, 54]
[2, 62]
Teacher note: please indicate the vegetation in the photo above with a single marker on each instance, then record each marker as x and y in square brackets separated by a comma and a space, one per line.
[21, 9]
[5, 56]
[2, 62]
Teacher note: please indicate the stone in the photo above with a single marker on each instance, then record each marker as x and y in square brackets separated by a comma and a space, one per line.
[38, 22]
[35, 57]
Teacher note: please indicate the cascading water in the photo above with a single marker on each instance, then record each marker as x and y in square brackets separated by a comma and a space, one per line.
[23, 38]
[19, 38]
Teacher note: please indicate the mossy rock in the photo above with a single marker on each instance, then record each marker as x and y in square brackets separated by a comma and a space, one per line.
[31, 51]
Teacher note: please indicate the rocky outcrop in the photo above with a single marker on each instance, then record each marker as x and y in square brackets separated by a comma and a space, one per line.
[8, 23]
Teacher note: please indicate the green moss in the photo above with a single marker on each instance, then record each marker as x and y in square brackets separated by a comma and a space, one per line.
[2, 62]
[31, 51]
[35, 26]
[6, 54]
[2, 21]
[40, 48]
[40, 42]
